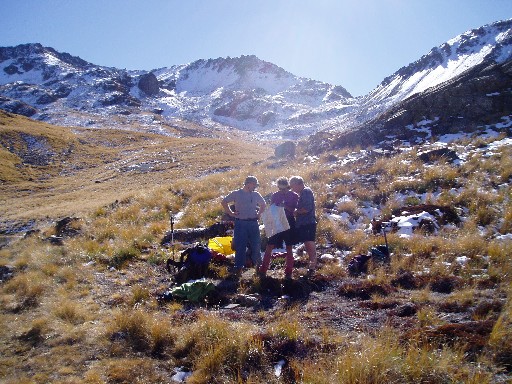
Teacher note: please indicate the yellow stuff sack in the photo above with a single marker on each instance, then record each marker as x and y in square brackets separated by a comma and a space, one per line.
[221, 245]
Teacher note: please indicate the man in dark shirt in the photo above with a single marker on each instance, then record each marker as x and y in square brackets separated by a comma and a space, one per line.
[305, 224]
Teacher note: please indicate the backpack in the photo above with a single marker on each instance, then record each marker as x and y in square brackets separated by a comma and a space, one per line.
[358, 265]
[193, 263]
[380, 254]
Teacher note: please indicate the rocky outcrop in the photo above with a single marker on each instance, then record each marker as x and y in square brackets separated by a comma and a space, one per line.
[68, 227]
[148, 84]
[16, 106]
[478, 97]
[436, 154]
[6, 272]
[285, 150]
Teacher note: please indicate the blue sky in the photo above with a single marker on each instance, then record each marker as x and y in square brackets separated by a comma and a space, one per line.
[352, 43]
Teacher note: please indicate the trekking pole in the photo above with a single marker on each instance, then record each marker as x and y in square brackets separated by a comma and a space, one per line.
[385, 237]
[172, 233]
[173, 256]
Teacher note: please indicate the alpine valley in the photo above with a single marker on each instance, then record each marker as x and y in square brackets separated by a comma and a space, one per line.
[109, 176]
[462, 85]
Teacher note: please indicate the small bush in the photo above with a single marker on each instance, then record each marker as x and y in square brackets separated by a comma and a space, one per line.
[123, 255]
[28, 288]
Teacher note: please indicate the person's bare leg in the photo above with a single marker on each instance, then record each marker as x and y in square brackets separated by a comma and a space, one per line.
[311, 251]
[266, 259]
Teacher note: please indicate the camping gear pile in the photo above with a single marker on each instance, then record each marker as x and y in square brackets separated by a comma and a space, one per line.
[192, 267]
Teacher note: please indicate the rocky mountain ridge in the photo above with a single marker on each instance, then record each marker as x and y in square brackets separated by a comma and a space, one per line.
[252, 95]
[465, 85]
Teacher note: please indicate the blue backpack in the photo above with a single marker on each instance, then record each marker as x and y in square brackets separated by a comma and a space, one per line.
[193, 263]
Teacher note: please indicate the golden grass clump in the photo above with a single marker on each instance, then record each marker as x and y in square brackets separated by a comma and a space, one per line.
[140, 331]
[129, 370]
[70, 311]
[500, 340]
[216, 349]
[139, 294]
[392, 167]
[442, 175]
[506, 224]
[385, 358]
[28, 288]
[342, 237]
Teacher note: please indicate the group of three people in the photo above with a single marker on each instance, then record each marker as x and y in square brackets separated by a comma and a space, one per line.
[299, 206]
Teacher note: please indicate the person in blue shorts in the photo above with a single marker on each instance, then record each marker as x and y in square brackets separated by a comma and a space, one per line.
[305, 220]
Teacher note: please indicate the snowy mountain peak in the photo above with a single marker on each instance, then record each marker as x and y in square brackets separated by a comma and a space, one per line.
[245, 73]
[494, 37]
[244, 92]
[35, 52]
[492, 43]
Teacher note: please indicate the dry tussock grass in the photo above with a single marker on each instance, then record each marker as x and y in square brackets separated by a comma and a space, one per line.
[100, 166]
[386, 359]
[217, 349]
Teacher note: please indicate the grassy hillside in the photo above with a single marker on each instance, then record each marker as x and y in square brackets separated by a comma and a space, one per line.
[87, 311]
[52, 172]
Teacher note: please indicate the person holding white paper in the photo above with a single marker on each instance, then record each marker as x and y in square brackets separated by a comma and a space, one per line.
[288, 199]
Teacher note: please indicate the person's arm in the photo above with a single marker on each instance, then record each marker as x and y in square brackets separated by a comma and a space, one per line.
[291, 202]
[261, 206]
[225, 205]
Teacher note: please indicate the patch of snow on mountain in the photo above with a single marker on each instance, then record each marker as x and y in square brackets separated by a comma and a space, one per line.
[204, 80]
[30, 77]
